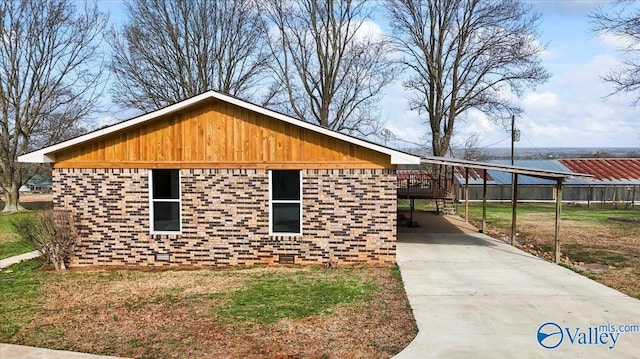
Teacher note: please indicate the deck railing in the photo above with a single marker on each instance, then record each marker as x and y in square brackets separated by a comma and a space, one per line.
[424, 185]
[414, 182]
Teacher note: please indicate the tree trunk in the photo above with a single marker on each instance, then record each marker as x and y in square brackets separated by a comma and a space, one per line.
[12, 199]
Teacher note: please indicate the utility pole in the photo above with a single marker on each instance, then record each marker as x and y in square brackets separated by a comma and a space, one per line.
[515, 136]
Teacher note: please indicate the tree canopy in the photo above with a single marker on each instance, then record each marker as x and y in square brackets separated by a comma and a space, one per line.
[327, 68]
[623, 22]
[50, 79]
[169, 50]
[465, 54]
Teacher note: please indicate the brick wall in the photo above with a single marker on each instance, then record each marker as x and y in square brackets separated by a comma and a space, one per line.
[349, 217]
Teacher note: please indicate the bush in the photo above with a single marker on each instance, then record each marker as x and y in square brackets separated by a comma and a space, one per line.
[53, 233]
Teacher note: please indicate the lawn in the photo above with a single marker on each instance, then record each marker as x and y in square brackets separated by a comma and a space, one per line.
[601, 242]
[274, 312]
[11, 243]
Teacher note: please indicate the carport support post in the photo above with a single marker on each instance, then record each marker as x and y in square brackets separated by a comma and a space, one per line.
[558, 214]
[484, 201]
[466, 194]
[411, 204]
[514, 208]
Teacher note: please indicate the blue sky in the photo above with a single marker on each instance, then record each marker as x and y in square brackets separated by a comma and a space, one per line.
[570, 110]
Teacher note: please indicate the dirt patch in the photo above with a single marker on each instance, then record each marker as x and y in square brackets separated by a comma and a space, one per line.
[34, 201]
[170, 314]
[36, 197]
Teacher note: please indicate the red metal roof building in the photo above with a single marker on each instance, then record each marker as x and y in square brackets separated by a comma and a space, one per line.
[623, 171]
[614, 179]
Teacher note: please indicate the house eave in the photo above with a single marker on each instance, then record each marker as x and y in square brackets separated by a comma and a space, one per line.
[47, 154]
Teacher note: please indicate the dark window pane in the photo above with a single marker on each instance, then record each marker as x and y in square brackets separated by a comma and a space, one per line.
[285, 185]
[166, 184]
[166, 216]
[286, 218]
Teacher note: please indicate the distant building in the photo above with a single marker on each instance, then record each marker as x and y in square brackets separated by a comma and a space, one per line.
[37, 184]
[615, 180]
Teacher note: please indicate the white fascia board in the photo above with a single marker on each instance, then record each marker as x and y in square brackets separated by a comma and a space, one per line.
[47, 154]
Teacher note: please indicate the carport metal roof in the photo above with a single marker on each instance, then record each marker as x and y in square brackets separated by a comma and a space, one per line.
[558, 176]
[533, 172]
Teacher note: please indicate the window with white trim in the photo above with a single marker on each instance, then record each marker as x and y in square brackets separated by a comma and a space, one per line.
[164, 201]
[285, 202]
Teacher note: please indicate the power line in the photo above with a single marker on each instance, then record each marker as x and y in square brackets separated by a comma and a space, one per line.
[502, 140]
[534, 146]
[409, 142]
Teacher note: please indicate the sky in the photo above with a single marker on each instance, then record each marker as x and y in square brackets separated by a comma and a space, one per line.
[572, 109]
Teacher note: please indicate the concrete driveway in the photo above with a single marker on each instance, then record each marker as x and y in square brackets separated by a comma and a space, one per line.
[474, 296]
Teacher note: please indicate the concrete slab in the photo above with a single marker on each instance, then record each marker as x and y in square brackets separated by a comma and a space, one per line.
[11, 351]
[474, 296]
[4, 263]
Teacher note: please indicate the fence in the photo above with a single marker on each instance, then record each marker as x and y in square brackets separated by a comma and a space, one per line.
[587, 194]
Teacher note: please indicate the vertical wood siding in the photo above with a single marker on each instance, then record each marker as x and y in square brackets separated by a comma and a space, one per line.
[219, 135]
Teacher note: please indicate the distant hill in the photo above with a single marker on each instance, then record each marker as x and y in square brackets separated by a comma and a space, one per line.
[562, 152]
[530, 153]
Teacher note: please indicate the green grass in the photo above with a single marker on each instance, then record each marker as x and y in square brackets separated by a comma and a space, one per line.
[500, 213]
[274, 296]
[599, 215]
[20, 296]
[419, 204]
[11, 243]
[580, 253]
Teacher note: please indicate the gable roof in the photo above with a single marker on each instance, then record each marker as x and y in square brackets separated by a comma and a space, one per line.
[48, 154]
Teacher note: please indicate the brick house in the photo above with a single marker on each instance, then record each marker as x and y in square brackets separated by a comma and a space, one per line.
[217, 181]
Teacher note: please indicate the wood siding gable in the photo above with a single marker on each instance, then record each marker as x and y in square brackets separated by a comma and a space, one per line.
[217, 134]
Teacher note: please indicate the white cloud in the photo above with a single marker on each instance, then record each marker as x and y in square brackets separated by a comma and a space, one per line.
[540, 99]
[616, 42]
[572, 110]
[369, 30]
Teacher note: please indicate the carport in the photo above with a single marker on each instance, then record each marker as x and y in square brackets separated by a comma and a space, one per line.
[557, 176]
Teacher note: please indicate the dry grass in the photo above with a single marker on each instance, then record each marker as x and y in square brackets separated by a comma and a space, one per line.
[172, 314]
[594, 242]
[33, 201]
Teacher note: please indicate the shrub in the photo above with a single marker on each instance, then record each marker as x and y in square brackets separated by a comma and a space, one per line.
[53, 233]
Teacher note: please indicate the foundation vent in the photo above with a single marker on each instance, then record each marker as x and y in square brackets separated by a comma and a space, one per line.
[286, 259]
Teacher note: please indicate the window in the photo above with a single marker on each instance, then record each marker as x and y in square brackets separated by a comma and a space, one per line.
[164, 188]
[285, 202]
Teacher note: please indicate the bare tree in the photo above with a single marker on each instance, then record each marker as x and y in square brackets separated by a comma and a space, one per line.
[50, 78]
[53, 233]
[171, 50]
[470, 149]
[330, 69]
[624, 22]
[465, 54]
